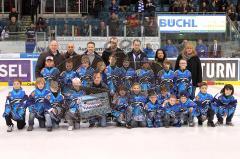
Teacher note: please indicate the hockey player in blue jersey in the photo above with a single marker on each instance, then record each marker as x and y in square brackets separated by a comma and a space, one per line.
[172, 115]
[188, 108]
[113, 75]
[136, 108]
[72, 115]
[145, 76]
[120, 104]
[164, 95]
[36, 104]
[15, 106]
[66, 77]
[128, 74]
[49, 72]
[165, 78]
[154, 111]
[204, 106]
[183, 78]
[224, 105]
[85, 71]
[53, 106]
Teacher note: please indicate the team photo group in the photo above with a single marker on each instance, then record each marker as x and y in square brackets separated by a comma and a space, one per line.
[140, 92]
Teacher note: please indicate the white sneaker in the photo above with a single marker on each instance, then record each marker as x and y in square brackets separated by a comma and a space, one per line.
[10, 128]
[70, 128]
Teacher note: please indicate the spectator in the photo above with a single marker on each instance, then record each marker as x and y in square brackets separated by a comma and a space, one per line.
[41, 25]
[133, 25]
[149, 8]
[183, 44]
[204, 7]
[160, 57]
[151, 27]
[13, 13]
[139, 7]
[215, 6]
[201, 49]
[136, 55]
[149, 51]
[95, 6]
[57, 57]
[231, 14]
[215, 50]
[193, 65]
[171, 50]
[92, 54]
[13, 26]
[101, 30]
[84, 31]
[114, 25]
[71, 54]
[31, 39]
[114, 8]
[124, 5]
[113, 49]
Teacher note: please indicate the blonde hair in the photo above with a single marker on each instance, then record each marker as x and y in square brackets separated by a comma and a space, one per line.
[40, 80]
[189, 45]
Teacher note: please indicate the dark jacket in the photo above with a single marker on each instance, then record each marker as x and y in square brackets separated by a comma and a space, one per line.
[95, 60]
[93, 89]
[58, 61]
[136, 64]
[157, 65]
[76, 58]
[194, 66]
[119, 54]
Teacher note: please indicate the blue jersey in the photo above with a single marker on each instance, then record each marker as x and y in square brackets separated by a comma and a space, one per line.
[66, 78]
[74, 97]
[224, 104]
[120, 105]
[86, 75]
[36, 100]
[172, 110]
[146, 79]
[128, 76]
[137, 102]
[113, 78]
[49, 73]
[188, 104]
[16, 104]
[162, 98]
[183, 81]
[150, 107]
[203, 103]
[166, 79]
[52, 101]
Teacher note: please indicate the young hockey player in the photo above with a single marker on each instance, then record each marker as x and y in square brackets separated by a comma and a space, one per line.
[145, 76]
[136, 109]
[128, 74]
[53, 106]
[154, 111]
[165, 78]
[15, 106]
[85, 72]
[163, 96]
[49, 72]
[204, 106]
[187, 107]
[172, 115]
[113, 74]
[224, 105]
[36, 104]
[183, 78]
[72, 115]
[120, 104]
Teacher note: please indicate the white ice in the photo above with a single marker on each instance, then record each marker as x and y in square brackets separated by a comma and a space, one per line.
[116, 143]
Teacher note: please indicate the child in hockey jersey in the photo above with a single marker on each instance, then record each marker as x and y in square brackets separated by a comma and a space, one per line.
[128, 74]
[67, 76]
[165, 78]
[49, 72]
[204, 108]
[85, 71]
[183, 78]
[101, 67]
[187, 107]
[172, 115]
[72, 115]
[225, 105]
[36, 104]
[120, 105]
[155, 112]
[53, 107]
[113, 74]
[163, 96]
[136, 109]
[15, 106]
[145, 76]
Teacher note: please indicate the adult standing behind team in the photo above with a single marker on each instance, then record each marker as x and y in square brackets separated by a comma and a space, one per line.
[136, 56]
[113, 49]
[57, 57]
[193, 65]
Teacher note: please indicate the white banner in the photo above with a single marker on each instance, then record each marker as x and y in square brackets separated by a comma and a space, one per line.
[191, 23]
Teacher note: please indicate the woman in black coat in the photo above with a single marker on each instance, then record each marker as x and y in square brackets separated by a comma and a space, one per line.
[193, 65]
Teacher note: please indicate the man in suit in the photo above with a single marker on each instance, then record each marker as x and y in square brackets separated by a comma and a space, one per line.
[136, 56]
[215, 50]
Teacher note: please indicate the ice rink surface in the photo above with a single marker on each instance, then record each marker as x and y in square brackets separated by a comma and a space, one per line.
[121, 143]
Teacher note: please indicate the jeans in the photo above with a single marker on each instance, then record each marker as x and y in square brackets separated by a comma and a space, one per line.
[41, 121]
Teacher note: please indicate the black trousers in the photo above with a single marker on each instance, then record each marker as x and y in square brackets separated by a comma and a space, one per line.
[20, 123]
[228, 119]
[210, 116]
